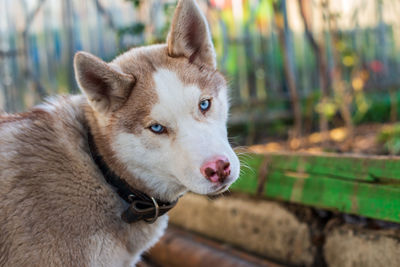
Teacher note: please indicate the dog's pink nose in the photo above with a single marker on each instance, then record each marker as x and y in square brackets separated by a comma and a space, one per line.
[217, 169]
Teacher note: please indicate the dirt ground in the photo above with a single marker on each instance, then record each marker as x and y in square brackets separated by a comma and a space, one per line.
[364, 141]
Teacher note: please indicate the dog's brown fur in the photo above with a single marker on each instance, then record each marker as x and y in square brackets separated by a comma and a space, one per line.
[53, 200]
[56, 208]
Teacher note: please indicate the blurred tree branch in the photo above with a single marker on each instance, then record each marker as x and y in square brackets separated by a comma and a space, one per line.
[133, 30]
[339, 85]
[28, 72]
[10, 53]
[322, 68]
[106, 14]
[31, 17]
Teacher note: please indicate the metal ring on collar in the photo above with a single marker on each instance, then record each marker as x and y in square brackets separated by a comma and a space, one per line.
[131, 197]
[156, 213]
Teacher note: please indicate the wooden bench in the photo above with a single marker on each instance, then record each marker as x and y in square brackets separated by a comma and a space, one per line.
[362, 185]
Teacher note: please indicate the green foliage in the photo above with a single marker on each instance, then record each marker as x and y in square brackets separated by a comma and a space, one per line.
[379, 108]
[138, 28]
[135, 3]
[134, 29]
[390, 138]
[168, 9]
[327, 107]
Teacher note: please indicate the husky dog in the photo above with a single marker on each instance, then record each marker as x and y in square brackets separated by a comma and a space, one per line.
[86, 180]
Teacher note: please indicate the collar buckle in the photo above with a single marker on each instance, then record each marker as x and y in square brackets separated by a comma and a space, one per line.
[156, 212]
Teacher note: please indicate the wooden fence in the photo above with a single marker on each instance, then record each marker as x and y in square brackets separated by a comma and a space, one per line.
[38, 40]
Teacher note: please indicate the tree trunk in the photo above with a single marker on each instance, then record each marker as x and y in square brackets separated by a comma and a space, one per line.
[69, 26]
[288, 63]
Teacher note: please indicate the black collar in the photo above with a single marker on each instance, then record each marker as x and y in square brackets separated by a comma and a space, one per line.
[142, 206]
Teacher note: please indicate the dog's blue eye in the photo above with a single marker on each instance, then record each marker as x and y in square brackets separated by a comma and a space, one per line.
[157, 128]
[205, 105]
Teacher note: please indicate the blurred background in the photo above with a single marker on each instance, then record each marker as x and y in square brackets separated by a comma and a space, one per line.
[295, 67]
[305, 75]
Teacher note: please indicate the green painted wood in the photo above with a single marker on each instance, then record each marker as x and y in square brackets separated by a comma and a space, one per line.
[249, 173]
[366, 186]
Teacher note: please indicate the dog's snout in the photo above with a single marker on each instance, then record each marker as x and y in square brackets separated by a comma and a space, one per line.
[217, 169]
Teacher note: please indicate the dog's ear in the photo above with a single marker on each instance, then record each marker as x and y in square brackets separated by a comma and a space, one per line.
[105, 86]
[190, 36]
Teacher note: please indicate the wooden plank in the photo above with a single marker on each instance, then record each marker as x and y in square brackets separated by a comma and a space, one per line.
[179, 248]
[376, 169]
[366, 186]
[366, 199]
[250, 169]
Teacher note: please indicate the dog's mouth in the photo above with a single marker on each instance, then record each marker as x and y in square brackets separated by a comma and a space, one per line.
[219, 191]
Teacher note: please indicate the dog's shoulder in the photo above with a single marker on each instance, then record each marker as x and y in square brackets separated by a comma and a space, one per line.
[45, 136]
[47, 183]
[60, 109]
[42, 134]
[50, 188]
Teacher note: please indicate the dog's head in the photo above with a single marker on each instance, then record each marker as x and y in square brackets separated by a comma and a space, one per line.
[163, 109]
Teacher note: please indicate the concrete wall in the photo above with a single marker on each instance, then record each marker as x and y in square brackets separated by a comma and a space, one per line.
[286, 233]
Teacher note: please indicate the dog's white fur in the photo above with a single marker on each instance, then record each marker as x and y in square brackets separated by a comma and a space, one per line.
[56, 208]
[196, 140]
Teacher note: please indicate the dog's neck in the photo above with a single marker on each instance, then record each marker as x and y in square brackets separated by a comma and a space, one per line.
[101, 138]
[141, 206]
